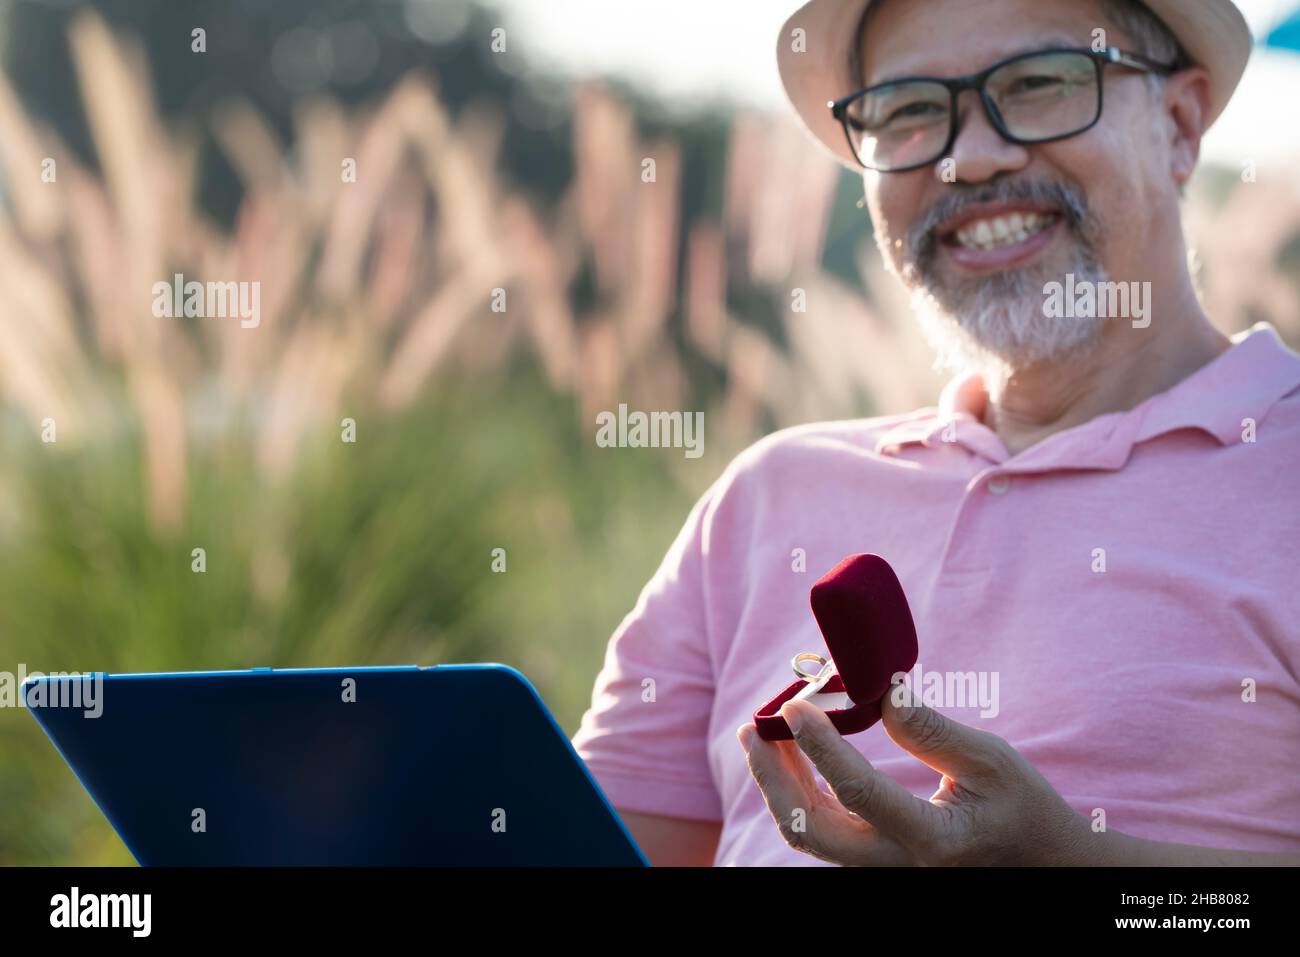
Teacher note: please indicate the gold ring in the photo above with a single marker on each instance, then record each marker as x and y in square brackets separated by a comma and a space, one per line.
[797, 661]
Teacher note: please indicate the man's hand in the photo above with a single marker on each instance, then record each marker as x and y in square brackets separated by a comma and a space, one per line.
[992, 806]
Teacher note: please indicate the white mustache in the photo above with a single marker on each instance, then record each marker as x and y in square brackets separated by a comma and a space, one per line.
[1069, 199]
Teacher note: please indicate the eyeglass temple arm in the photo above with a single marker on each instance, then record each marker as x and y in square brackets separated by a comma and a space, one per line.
[1113, 54]
[1137, 61]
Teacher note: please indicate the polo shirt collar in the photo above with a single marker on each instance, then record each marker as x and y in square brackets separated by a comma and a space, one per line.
[958, 419]
[1245, 382]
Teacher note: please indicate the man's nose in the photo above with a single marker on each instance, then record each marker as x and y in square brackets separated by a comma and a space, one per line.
[979, 152]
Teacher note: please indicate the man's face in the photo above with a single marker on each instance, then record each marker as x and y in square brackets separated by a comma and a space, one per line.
[977, 250]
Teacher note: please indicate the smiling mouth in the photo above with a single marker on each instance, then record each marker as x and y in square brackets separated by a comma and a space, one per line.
[992, 232]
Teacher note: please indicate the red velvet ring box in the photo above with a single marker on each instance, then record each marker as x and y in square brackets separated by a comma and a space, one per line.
[864, 618]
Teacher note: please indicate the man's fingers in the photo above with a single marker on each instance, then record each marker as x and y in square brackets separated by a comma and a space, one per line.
[947, 746]
[788, 790]
[875, 797]
[806, 823]
[800, 766]
[777, 777]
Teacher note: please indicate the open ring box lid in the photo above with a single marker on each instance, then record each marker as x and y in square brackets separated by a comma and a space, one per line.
[866, 622]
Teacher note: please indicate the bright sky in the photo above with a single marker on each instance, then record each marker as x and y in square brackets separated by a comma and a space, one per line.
[688, 49]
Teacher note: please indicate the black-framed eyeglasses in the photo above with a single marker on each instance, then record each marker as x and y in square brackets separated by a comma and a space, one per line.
[1037, 97]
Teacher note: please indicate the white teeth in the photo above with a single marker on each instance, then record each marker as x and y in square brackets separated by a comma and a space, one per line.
[1002, 230]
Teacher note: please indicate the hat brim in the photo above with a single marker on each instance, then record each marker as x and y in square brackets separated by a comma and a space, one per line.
[814, 65]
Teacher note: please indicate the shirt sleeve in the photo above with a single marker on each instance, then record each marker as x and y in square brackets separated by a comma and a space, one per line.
[645, 736]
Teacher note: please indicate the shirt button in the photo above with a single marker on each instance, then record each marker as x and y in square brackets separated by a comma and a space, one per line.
[998, 484]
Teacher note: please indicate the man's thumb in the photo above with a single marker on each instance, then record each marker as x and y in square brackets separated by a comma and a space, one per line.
[947, 746]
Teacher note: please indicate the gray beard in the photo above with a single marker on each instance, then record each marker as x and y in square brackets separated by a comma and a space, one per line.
[999, 320]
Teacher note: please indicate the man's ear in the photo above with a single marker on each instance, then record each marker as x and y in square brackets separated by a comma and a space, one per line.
[1187, 104]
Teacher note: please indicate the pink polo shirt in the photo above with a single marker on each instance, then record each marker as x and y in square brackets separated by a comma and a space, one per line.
[1130, 585]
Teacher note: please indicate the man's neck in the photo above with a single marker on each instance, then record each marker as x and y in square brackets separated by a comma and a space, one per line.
[1127, 367]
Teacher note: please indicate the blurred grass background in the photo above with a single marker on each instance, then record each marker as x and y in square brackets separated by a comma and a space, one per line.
[475, 428]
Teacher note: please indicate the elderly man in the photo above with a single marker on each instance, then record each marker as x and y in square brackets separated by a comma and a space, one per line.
[1098, 522]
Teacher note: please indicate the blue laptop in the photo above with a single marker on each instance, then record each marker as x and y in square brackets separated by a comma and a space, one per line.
[453, 765]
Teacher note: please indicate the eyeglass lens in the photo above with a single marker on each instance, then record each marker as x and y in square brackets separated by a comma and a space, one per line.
[1036, 98]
